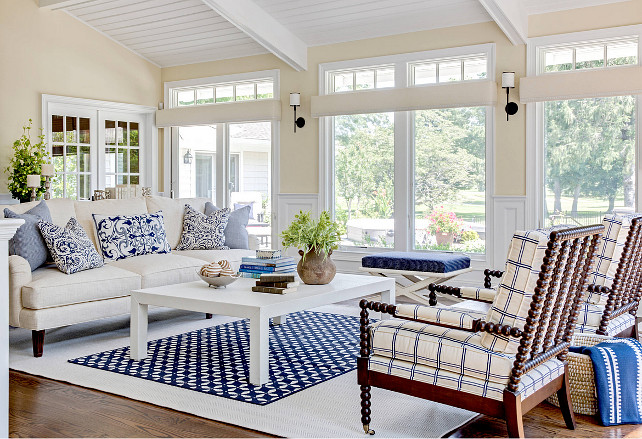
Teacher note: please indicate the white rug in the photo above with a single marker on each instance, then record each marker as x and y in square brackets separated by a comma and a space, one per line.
[329, 409]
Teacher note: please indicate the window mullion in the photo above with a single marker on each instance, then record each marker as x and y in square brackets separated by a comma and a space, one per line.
[402, 205]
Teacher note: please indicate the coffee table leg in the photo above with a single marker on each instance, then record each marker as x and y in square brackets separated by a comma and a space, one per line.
[259, 350]
[138, 331]
[388, 297]
[280, 320]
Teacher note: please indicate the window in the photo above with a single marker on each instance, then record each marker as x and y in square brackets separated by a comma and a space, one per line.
[406, 168]
[361, 79]
[97, 144]
[221, 93]
[587, 148]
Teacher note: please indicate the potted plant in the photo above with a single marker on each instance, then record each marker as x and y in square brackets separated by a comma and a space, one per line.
[444, 225]
[27, 159]
[315, 241]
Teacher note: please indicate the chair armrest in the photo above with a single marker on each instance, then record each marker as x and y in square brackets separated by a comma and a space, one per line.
[450, 318]
[491, 273]
[19, 276]
[478, 294]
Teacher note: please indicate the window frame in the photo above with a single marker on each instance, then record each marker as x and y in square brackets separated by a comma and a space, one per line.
[535, 126]
[404, 217]
[53, 104]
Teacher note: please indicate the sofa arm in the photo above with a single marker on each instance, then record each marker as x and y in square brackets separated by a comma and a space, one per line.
[19, 276]
[450, 318]
[253, 241]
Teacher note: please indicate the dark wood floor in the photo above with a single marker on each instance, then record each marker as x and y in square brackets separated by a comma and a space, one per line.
[40, 407]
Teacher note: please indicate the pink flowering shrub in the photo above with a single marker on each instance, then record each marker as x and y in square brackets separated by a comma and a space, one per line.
[442, 221]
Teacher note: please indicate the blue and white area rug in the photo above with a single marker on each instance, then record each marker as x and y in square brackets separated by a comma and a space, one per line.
[310, 348]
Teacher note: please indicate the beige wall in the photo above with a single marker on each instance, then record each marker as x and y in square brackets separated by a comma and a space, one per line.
[50, 52]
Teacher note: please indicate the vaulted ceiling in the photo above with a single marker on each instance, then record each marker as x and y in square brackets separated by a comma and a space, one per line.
[176, 32]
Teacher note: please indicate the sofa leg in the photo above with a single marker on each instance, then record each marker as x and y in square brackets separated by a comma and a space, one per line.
[208, 315]
[38, 340]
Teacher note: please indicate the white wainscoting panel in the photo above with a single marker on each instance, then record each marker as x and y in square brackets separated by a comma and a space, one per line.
[291, 204]
[510, 215]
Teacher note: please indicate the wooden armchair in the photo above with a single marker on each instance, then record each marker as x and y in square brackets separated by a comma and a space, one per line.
[503, 365]
[615, 284]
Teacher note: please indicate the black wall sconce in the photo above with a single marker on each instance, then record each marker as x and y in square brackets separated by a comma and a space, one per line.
[187, 158]
[508, 82]
[295, 101]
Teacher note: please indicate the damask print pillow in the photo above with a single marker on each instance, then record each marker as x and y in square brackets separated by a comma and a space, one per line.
[70, 247]
[203, 232]
[124, 236]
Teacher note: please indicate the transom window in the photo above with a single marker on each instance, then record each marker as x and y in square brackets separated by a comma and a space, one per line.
[223, 92]
[589, 55]
[361, 79]
[449, 70]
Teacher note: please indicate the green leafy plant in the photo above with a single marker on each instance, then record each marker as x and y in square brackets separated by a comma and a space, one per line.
[28, 159]
[320, 236]
[468, 236]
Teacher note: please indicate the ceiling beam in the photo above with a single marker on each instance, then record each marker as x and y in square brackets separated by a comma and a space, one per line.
[511, 17]
[60, 4]
[264, 29]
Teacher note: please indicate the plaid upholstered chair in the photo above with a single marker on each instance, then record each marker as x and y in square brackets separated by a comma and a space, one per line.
[502, 363]
[615, 284]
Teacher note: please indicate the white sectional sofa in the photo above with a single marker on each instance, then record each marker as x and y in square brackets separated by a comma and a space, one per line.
[47, 298]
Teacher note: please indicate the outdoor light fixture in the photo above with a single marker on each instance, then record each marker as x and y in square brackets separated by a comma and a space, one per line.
[295, 101]
[187, 158]
[508, 82]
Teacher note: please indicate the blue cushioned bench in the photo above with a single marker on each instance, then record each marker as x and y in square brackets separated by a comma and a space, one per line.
[421, 269]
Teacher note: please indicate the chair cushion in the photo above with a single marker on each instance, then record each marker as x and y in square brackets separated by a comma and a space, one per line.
[28, 241]
[124, 236]
[616, 230]
[203, 232]
[454, 350]
[529, 383]
[234, 256]
[424, 262]
[516, 288]
[173, 211]
[236, 235]
[166, 269]
[51, 288]
[615, 326]
[70, 247]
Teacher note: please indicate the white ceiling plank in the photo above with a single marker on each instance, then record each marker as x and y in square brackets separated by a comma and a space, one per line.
[264, 29]
[176, 35]
[511, 17]
[60, 4]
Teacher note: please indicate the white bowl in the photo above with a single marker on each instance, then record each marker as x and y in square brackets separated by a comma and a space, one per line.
[219, 281]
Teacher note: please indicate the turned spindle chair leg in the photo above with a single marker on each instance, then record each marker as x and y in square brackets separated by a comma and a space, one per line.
[365, 409]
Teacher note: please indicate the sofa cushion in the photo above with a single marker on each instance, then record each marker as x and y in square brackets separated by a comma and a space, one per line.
[50, 288]
[236, 235]
[173, 211]
[203, 232]
[28, 241]
[61, 209]
[157, 270]
[234, 256]
[71, 249]
[124, 236]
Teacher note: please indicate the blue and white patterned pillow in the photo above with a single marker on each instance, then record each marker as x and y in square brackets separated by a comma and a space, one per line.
[70, 247]
[203, 232]
[124, 236]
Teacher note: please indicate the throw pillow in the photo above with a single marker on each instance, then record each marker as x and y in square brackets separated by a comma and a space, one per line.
[71, 248]
[238, 206]
[203, 232]
[28, 242]
[236, 235]
[123, 236]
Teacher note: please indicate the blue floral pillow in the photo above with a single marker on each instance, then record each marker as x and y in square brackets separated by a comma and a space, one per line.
[70, 247]
[203, 232]
[123, 236]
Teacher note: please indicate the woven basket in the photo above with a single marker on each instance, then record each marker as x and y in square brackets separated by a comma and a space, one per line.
[581, 376]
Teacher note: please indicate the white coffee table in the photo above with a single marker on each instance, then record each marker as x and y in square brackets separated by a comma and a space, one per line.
[239, 300]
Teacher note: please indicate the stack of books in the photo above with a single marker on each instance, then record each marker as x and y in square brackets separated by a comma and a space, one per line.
[266, 262]
[276, 284]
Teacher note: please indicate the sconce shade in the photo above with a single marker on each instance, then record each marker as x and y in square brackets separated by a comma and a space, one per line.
[33, 181]
[508, 79]
[295, 99]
